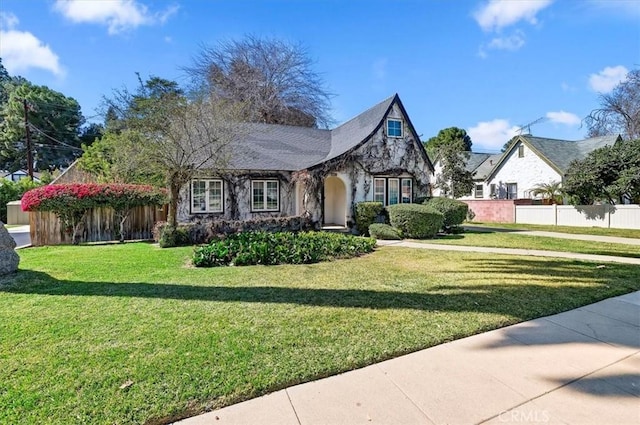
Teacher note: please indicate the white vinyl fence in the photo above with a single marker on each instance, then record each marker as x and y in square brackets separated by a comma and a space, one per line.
[611, 216]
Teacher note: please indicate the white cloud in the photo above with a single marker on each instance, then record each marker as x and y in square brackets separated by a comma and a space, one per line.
[8, 20]
[605, 80]
[117, 15]
[498, 14]
[21, 50]
[562, 117]
[492, 135]
[513, 42]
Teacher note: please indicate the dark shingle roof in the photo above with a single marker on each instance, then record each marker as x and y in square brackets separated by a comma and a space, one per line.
[280, 147]
[474, 160]
[562, 152]
[289, 148]
[483, 170]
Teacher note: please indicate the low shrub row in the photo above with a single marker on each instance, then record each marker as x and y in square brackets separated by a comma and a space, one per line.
[418, 220]
[252, 248]
[198, 233]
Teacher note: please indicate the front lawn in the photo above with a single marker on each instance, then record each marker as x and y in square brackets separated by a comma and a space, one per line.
[120, 334]
[516, 240]
[598, 231]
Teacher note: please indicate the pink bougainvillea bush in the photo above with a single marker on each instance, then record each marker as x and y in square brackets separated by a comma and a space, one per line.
[70, 202]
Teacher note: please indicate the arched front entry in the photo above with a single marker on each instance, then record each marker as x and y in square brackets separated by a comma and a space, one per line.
[335, 201]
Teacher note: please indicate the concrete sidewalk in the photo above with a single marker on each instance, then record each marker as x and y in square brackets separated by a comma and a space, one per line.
[579, 237]
[512, 251]
[577, 367]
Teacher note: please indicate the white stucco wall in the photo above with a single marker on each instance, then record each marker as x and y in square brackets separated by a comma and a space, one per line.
[528, 172]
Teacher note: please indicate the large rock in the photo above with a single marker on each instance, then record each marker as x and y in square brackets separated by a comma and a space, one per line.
[9, 258]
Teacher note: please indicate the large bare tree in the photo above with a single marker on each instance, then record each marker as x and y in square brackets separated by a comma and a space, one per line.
[158, 131]
[619, 111]
[272, 79]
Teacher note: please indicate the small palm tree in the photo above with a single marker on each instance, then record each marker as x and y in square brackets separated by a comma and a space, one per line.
[552, 191]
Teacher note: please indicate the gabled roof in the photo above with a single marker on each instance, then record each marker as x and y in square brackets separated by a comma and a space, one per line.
[289, 148]
[556, 152]
[483, 170]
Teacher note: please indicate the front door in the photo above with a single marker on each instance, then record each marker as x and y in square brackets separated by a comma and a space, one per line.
[335, 202]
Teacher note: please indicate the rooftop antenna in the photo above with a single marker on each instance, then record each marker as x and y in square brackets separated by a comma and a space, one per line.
[528, 126]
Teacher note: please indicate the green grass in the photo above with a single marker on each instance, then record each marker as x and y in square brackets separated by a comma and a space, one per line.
[78, 322]
[515, 240]
[598, 231]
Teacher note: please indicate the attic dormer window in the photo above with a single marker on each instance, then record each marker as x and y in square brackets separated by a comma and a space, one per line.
[394, 128]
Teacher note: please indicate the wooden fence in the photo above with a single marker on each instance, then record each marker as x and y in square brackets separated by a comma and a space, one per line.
[100, 224]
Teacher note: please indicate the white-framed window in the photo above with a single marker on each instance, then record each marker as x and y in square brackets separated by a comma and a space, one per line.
[521, 151]
[394, 191]
[265, 195]
[379, 190]
[206, 196]
[407, 191]
[394, 127]
[479, 192]
[512, 190]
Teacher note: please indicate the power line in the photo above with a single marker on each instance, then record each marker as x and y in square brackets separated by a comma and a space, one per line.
[53, 138]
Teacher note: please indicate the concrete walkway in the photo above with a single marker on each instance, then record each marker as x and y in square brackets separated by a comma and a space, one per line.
[513, 251]
[577, 367]
[579, 237]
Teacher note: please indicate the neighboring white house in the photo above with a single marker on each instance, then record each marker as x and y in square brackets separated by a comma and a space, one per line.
[480, 165]
[529, 162]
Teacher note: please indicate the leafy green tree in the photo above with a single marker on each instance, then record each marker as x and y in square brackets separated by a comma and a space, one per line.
[451, 147]
[454, 180]
[448, 136]
[552, 191]
[54, 124]
[610, 174]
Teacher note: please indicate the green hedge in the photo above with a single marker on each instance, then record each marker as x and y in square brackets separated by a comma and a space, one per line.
[415, 220]
[249, 248]
[454, 211]
[384, 232]
[366, 213]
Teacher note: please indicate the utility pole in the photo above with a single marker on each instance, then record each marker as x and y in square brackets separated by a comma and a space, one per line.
[28, 135]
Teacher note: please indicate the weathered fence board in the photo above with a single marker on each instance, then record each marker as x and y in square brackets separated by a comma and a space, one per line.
[100, 224]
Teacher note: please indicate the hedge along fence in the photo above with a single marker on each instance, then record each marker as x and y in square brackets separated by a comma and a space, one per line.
[73, 204]
[454, 211]
[207, 231]
[415, 220]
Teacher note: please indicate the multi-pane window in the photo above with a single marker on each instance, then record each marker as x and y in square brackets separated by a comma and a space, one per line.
[394, 191]
[379, 192]
[206, 196]
[512, 190]
[407, 191]
[265, 195]
[479, 192]
[394, 128]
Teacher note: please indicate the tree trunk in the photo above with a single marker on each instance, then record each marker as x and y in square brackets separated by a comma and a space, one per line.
[172, 216]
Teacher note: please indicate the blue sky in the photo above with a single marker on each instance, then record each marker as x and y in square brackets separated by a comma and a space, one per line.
[487, 66]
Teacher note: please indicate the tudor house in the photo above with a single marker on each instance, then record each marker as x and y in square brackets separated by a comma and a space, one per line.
[278, 171]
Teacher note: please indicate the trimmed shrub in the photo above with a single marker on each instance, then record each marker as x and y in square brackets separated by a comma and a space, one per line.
[203, 232]
[251, 248]
[415, 220]
[170, 236]
[384, 232]
[454, 211]
[366, 213]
